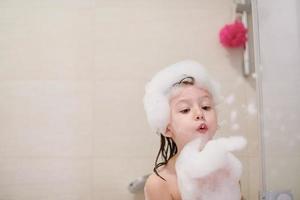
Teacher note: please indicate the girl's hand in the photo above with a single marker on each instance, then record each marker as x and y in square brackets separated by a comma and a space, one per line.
[212, 172]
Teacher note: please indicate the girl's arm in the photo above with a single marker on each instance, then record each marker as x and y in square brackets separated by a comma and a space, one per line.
[156, 189]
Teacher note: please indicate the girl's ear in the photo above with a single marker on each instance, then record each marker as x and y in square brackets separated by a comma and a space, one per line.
[168, 132]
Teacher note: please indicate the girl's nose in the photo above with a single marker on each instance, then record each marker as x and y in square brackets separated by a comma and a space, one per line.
[198, 114]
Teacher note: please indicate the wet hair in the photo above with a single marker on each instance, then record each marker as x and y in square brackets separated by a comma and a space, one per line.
[168, 147]
[167, 150]
[189, 80]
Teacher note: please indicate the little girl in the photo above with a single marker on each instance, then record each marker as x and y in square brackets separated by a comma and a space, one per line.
[180, 105]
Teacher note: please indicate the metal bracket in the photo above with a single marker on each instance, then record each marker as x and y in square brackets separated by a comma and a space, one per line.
[241, 7]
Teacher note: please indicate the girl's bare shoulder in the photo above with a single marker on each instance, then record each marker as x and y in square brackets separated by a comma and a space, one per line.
[156, 188]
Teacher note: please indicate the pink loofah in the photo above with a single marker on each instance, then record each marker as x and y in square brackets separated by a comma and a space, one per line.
[233, 35]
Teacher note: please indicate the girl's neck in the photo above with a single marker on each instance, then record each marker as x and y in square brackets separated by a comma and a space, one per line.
[171, 163]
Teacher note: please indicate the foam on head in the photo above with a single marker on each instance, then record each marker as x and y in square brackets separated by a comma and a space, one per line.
[158, 90]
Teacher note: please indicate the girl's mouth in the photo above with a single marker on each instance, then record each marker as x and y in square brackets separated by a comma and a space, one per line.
[202, 128]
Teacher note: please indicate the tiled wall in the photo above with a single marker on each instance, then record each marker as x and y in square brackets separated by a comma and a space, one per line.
[72, 76]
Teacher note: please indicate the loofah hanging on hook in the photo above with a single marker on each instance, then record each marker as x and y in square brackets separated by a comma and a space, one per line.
[233, 35]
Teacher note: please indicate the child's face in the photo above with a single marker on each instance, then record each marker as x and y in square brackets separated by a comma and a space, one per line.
[192, 115]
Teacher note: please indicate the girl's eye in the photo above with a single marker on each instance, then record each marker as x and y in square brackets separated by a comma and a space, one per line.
[185, 110]
[206, 108]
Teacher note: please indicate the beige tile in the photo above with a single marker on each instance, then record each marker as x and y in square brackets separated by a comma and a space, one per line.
[46, 43]
[122, 101]
[255, 178]
[160, 35]
[34, 4]
[231, 112]
[233, 101]
[245, 176]
[126, 146]
[67, 4]
[254, 146]
[46, 118]
[254, 138]
[250, 180]
[45, 178]
[251, 112]
[112, 175]
[120, 120]
[243, 107]
[177, 4]
[228, 68]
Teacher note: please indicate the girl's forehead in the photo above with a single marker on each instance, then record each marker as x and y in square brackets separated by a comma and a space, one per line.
[189, 92]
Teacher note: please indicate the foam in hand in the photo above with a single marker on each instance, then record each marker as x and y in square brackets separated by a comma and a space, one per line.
[210, 171]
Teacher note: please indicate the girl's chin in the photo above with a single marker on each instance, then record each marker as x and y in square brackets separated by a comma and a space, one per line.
[199, 141]
[204, 138]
